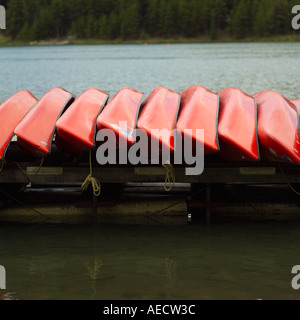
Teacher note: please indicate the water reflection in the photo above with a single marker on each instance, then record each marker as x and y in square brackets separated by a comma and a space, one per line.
[93, 273]
[171, 276]
[220, 262]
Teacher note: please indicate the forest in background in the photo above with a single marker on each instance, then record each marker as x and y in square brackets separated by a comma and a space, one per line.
[31, 20]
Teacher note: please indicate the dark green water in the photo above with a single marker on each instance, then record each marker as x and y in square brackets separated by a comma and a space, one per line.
[194, 262]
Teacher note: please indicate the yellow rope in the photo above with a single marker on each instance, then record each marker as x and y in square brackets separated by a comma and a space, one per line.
[91, 180]
[39, 168]
[287, 181]
[25, 173]
[170, 177]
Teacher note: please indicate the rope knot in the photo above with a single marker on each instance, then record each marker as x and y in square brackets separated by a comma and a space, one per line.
[95, 185]
[92, 180]
[170, 176]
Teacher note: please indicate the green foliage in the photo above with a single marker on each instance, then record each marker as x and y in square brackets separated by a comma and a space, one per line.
[133, 19]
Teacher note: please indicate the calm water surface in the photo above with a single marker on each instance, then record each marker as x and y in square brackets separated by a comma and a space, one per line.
[251, 67]
[219, 262]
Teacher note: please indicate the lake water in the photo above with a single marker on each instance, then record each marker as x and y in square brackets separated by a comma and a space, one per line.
[251, 67]
[189, 262]
[192, 262]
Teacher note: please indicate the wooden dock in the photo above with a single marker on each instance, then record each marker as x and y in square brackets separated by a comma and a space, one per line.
[135, 194]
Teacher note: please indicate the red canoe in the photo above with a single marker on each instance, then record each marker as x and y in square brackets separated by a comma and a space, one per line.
[12, 111]
[199, 109]
[35, 132]
[278, 127]
[238, 126]
[296, 102]
[76, 129]
[160, 111]
[120, 114]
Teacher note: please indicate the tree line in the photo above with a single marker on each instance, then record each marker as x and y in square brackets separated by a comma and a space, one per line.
[142, 19]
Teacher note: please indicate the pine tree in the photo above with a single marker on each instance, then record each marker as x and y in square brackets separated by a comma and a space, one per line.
[205, 15]
[113, 26]
[103, 27]
[213, 26]
[184, 16]
[262, 18]
[162, 24]
[221, 13]
[241, 19]
[131, 19]
[15, 17]
[280, 10]
[59, 16]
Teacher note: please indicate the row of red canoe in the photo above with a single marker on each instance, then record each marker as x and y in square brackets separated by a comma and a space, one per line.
[237, 126]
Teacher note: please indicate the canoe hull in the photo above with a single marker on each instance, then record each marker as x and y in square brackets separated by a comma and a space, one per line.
[278, 127]
[238, 126]
[13, 111]
[120, 115]
[158, 118]
[199, 109]
[36, 131]
[76, 129]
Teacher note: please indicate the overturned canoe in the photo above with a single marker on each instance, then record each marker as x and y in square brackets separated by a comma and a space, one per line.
[278, 127]
[199, 109]
[12, 111]
[238, 126]
[36, 131]
[296, 102]
[120, 114]
[158, 118]
[76, 128]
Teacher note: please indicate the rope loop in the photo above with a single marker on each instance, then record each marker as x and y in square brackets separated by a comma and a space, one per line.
[170, 176]
[92, 180]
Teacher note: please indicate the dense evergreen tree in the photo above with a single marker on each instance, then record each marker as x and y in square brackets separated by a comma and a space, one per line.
[15, 17]
[134, 19]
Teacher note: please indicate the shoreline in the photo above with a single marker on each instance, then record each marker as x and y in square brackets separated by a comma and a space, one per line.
[6, 42]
